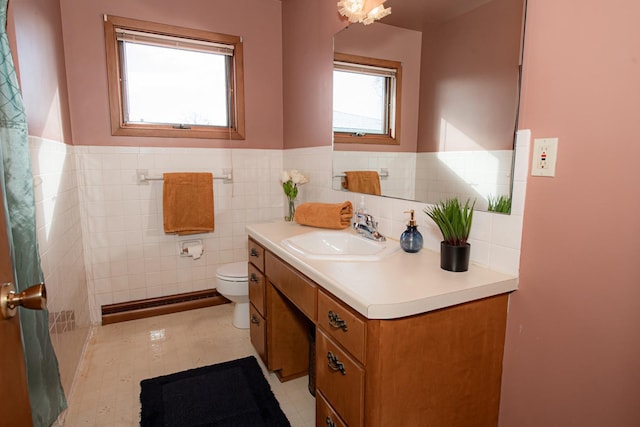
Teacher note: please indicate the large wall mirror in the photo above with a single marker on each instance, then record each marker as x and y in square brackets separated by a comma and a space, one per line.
[461, 70]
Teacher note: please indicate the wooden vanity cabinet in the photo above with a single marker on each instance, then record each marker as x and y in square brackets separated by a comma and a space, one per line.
[340, 358]
[257, 298]
[440, 368]
[258, 332]
[342, 324]
[340, 379]
[256, 254]
[325, 415]
[291, 304]
[301, 291]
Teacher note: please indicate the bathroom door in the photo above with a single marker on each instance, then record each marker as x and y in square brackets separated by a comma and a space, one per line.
[14, 393]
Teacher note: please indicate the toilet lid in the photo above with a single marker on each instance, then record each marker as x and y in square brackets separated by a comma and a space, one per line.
[235, 271]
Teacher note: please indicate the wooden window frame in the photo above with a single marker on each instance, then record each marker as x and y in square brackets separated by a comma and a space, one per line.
[118, 125]
[393, 138]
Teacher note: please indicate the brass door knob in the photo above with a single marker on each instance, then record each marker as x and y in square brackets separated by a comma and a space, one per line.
[34, 298]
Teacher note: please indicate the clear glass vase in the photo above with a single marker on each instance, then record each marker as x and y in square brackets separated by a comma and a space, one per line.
[291, 211]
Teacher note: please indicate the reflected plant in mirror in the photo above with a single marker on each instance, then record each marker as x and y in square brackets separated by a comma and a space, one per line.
[456, 106]
[500, 204]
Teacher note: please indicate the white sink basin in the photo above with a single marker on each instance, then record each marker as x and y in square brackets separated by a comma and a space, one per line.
[339, 246]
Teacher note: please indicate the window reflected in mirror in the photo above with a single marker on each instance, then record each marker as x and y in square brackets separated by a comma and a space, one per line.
[365, 99]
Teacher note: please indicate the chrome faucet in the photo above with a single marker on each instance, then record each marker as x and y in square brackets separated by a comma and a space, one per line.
[367, 227]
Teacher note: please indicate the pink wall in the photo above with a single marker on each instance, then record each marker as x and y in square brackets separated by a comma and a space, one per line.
[573, 349]
[573, 342]
[470, 64]
[395, 44]
[572, 355]
[257, 21]
[308, 27]
[37, 40]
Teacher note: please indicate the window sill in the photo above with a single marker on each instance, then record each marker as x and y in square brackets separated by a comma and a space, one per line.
[171, 132]
[345, 138]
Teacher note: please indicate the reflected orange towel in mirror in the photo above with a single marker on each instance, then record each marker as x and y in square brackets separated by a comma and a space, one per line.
[367, 182]
[187, 203]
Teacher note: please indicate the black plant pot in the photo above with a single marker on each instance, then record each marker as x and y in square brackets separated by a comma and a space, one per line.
[454, 258]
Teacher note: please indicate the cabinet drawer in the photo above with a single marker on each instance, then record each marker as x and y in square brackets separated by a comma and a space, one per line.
[258, 332]
[342, 324]
[325, 415]
[256, 254]
[340, 380]
[256, 288]
[297, 288]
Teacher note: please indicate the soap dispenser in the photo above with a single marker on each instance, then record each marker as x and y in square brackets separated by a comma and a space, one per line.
[411, 239]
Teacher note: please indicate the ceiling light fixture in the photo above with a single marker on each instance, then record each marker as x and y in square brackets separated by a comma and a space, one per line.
[364, 11]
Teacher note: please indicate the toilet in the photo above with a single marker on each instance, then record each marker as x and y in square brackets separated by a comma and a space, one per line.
[231, 283]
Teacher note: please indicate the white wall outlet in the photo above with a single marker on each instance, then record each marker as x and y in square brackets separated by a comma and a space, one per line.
[545, 154]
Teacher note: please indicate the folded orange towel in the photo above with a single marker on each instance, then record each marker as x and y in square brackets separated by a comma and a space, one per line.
[187, 203]
[325, 215]
[367, 182]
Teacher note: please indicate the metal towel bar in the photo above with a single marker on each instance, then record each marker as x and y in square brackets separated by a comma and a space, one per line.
[143, 177]
[384, 173]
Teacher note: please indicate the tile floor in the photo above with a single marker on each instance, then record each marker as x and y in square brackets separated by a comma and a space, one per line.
[119, 356]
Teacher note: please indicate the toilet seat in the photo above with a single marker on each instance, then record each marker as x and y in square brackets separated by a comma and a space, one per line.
[233, 272]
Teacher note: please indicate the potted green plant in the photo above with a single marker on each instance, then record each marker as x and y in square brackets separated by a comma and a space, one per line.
[454, 221]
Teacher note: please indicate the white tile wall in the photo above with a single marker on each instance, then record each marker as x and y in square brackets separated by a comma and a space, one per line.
[129, 257]
[495, 238]
[315, 163]
[127, 253]
[400, 166]
[53, 167]
[470, 175]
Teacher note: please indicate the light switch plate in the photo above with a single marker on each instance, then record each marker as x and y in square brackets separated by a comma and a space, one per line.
[545, 154]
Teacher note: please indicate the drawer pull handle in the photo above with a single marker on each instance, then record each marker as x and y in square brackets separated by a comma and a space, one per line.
[329, 422]
[254, 319]
[254, 278]
[335, 365]
[254, 253]
[336, 322]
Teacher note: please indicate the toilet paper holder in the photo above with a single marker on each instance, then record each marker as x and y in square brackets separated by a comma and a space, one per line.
[191, 248]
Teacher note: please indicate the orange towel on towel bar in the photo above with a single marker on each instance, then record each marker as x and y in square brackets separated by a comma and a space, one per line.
[187, 203]
[367, 182]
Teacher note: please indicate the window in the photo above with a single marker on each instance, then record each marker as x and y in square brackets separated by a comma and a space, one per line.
[168, 81]
[366, 100]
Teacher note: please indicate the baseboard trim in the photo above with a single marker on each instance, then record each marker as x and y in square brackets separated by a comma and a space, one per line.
[131, 310]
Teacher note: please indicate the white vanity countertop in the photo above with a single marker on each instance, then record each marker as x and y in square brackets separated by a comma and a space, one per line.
[400, 285]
